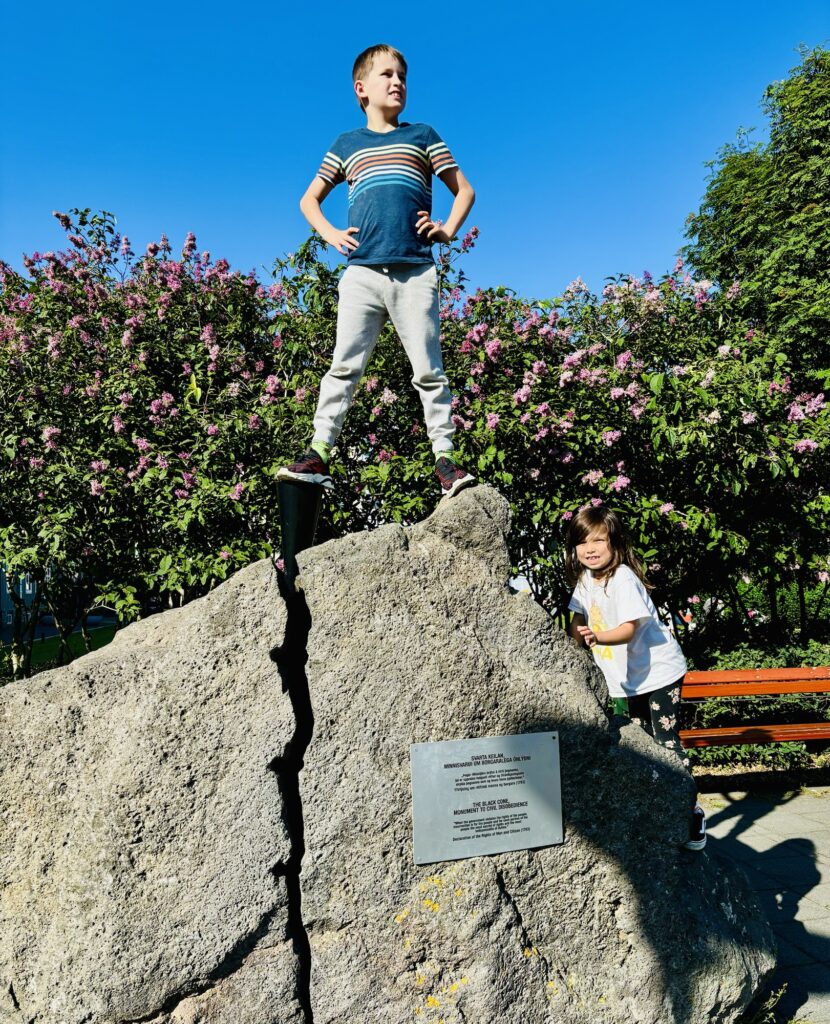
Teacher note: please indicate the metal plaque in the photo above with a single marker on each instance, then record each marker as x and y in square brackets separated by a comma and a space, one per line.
[490, 795]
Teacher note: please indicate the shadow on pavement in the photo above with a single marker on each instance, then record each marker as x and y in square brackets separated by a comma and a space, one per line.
[782, 842]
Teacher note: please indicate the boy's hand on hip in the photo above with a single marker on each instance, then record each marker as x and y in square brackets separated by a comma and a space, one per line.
[342, 240]
[435, 230]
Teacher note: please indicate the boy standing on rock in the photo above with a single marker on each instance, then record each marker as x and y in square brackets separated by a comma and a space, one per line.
[391, 273]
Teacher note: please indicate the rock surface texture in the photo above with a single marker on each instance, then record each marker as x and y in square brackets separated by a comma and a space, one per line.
[153, 816]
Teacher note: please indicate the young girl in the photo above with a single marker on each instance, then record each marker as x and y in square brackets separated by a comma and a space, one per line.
[615, 617]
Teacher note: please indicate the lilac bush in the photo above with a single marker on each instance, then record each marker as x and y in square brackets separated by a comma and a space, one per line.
[149, 399]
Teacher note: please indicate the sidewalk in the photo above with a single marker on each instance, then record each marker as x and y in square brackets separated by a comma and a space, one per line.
[782, 841]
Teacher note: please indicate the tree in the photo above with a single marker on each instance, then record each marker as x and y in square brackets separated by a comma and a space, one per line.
[764, 224]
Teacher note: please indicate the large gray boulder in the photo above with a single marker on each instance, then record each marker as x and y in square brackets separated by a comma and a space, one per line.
[153, 821]
[142, 842]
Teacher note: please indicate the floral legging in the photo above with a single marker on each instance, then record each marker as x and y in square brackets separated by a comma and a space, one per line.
[656, 712]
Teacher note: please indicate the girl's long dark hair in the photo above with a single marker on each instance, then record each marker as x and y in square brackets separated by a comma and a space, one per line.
[586, 522]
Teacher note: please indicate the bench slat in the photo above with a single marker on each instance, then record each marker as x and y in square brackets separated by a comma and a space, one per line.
[758, 675]
[700, 689]
[739, 734]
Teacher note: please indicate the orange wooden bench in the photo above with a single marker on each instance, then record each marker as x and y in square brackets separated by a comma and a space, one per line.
[755, 682]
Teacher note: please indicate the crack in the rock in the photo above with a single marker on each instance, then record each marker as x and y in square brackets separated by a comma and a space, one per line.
[291, 659]
[527, 944]
[13, 997]
[228, 965]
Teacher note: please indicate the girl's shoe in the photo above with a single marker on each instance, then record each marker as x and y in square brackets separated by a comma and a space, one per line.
[308, 469]
[697, 830]
[451, 477]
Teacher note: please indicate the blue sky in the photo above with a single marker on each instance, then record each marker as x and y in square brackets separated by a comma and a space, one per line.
[584, 128]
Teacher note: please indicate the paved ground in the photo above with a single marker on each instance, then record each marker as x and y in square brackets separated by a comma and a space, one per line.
[782, 841]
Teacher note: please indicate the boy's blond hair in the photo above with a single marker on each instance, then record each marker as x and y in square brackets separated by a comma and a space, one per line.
[364, 61]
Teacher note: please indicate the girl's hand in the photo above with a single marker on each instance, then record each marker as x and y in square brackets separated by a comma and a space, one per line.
[589, 637]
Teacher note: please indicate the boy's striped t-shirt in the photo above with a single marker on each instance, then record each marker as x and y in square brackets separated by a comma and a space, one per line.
[389, 175]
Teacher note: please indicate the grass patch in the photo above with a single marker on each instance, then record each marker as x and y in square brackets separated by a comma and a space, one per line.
[45, 651]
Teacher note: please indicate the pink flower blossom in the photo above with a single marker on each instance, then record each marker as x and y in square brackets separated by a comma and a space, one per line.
[573, 359]
[141, 443]
[617, 393]
[384, 455]
[665, 508]
[493, 348]
[224, 554]
[300, 395]
[522, 394]
[117, 424]
[254, 422]
[596, 502]
[610, 436]
[694, 599]
[492, 420]
[805, 445]
[96, 487]
[236, 492]
[620, 483]
[823, 576]
[623, 359]
[748, 418]
[782, 388]
[161, 462]
[567, 515]
[388, 397]
[468, 241]
[593, 477]
[371, 384]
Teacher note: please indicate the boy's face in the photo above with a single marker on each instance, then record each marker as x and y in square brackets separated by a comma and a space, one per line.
[384, 87]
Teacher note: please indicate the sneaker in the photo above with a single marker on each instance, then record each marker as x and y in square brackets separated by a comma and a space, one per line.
[697, 830]
[451, 477]
[308, 469]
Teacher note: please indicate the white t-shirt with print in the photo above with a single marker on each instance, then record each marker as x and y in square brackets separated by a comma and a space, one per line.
[652, 658]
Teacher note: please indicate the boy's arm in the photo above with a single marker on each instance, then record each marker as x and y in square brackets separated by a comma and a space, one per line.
[313, 213]
[461, 206]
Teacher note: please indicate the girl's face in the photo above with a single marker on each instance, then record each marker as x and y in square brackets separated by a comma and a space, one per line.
[595, 551]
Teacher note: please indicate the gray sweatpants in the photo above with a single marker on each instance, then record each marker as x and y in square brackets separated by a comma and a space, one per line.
[406, 294]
